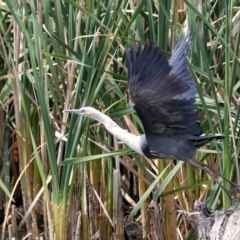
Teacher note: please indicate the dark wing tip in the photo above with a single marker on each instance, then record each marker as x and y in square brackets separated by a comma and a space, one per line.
[202, 140]
[178, 63]
[219, 137]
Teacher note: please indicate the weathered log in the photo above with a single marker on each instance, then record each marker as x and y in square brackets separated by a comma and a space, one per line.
[217, 225]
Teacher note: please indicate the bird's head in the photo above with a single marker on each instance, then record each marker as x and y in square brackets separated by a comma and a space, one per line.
[87, 112]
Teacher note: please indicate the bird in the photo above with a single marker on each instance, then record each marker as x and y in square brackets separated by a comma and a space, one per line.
[162, 92]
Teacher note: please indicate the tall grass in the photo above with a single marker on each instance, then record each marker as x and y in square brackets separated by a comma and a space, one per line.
[72, 178]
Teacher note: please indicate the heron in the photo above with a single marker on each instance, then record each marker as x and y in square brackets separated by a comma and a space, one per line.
[162, 92]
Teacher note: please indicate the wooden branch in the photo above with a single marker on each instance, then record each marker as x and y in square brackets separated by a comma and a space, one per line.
[218, 225]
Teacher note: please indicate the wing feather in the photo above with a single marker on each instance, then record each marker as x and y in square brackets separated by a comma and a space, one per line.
[162, 91]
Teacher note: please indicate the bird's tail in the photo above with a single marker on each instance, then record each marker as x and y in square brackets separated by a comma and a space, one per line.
[201, 141]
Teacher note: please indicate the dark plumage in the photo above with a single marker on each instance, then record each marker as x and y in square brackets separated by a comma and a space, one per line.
[163, 94]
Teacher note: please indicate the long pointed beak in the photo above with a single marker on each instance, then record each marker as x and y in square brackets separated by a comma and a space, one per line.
[77, 111]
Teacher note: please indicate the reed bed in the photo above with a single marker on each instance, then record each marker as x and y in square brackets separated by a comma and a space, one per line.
[64, 176]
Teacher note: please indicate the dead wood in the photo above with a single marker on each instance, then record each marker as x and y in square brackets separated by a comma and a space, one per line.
[217, 225]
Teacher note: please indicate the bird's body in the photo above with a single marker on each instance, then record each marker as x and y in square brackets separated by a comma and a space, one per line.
[181, 148]
[163, 94]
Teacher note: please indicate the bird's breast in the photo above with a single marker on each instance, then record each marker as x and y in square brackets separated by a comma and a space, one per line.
[145, 147]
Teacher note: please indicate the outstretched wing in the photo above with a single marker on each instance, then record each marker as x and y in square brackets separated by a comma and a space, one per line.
[179, 66]
[162, 92]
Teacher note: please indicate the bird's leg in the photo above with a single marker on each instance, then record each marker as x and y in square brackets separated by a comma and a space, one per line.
[208, 169]
[206, 166]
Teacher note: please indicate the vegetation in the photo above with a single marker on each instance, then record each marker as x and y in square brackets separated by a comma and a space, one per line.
[66, 176]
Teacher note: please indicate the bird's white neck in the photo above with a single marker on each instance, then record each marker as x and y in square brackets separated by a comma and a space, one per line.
[126, 137]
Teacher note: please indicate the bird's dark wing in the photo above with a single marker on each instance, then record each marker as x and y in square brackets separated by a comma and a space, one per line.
[162, 92]
[179, 66]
